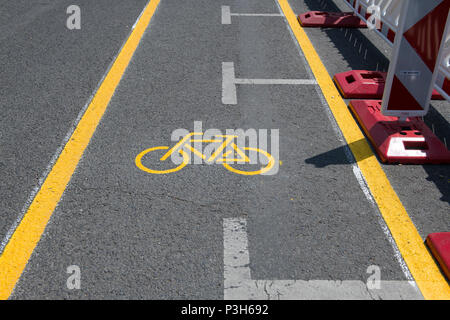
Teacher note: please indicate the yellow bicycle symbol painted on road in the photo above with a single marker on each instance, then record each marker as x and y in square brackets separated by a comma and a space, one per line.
[227, 154]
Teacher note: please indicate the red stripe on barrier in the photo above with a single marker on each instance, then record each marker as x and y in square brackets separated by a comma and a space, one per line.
[446, 86]
[391, 35]
[401, 99]
[425, 36]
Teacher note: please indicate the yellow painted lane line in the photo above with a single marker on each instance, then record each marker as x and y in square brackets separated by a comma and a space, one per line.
[422, 266]
[28, 233]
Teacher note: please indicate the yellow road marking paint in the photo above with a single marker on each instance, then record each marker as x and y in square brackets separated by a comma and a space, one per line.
[195, 151]
[179, 144]
[422, 266]
[28, 233]
[221, 148]
[253, 173]
[138, 161]
[243, 157]
[225, 160]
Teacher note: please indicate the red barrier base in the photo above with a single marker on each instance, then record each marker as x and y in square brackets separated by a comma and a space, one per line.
[439, 244]
[409, 142]
[330, 20]
[363, 84]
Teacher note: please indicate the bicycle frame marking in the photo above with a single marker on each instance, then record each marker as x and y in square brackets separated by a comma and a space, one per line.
[225, 160]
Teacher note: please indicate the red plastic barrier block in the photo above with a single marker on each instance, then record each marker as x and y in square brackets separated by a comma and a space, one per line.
[439, 244]
[409, 142]
[361, 84]
[364, 84]
[330, 20]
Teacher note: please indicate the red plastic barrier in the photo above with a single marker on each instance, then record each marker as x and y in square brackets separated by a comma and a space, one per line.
[409, 142]
[330, 20]
[439, 244]
[364, 84]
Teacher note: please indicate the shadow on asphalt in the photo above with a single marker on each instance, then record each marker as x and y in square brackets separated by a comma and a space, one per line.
[438, 174]
[338, 156]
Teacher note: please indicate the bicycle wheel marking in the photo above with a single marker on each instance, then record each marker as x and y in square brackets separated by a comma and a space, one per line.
[223, 154]
[139, 164]
[252, 173]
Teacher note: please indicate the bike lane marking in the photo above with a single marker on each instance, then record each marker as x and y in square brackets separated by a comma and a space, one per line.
[419, 261]
[239, 285]
[221, 149]
[26, 236]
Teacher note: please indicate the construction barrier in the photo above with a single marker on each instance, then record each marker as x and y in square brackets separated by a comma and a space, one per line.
[439, 244]
[366, 84]
[419, 31]
[418, 70]
[418, 50]
[386, 20]
[330, 19]
[389, 17]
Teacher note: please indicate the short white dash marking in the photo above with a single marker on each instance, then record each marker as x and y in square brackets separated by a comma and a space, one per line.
[226, 15]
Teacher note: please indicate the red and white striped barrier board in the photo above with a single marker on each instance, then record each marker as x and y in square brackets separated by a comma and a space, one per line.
[388, 27]
[418, 49]
[418, 30]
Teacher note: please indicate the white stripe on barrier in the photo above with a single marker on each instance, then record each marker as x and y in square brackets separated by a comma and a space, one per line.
[443, 78]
